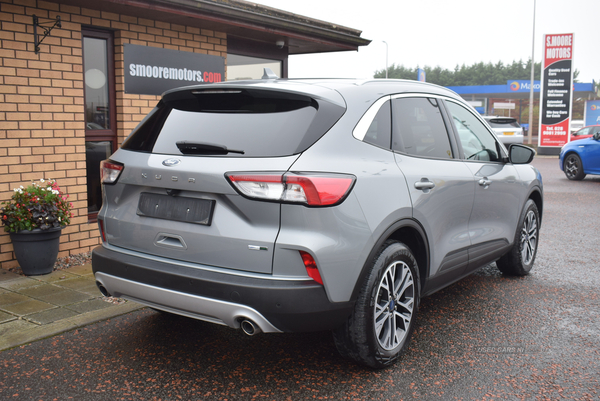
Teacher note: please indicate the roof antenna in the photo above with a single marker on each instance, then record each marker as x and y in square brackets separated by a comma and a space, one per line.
[269, 74]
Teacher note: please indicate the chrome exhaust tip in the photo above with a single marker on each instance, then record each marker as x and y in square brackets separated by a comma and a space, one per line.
[249, 327]
[102, 289]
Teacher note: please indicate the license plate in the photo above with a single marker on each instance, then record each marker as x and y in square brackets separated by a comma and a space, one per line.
[176, 208]
[509, 133]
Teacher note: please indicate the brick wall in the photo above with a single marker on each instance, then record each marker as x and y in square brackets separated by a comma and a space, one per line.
[42, 129]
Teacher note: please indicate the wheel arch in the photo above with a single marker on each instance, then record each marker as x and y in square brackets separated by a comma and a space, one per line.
[411, 234]
[536, 196]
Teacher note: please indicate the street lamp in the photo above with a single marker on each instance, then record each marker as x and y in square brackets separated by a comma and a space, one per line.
[386, 59]
[530, 130]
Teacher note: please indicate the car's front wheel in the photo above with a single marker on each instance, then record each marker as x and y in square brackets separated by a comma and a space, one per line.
[573, 167]
[519, 260]
[380, 327]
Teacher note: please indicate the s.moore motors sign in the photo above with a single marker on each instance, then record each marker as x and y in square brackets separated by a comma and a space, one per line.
[152, 71]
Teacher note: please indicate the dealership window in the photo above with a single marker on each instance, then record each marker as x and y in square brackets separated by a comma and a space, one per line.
[247, 59]
[246, 67]
[100, 129]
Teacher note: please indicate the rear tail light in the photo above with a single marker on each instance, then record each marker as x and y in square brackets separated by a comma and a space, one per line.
[308, 189]
[110, 171]
[311, 267]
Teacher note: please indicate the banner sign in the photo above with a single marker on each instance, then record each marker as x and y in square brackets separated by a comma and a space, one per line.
[592, 112]
[152, 70]
[557, 90]
[421, 74]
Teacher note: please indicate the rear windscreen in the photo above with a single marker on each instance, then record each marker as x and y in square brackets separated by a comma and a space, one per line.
[504, 123]
[251, 123]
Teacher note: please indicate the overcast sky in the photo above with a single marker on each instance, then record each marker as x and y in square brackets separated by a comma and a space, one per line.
[447, 33]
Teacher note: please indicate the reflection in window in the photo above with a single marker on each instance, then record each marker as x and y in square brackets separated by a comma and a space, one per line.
[95, 152]
[380, 130]
[244, 67]
[477, 142]
[418, 128]
[96, 88]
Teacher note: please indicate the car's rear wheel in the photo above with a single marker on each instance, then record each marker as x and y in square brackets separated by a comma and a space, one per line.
[519, 260]
[573, 167]
[380, 327]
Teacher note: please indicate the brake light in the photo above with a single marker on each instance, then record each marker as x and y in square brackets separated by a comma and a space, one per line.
[311, 267]
[110, 171]
[308, 189]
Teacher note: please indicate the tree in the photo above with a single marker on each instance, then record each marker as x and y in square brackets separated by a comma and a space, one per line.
[476, 74]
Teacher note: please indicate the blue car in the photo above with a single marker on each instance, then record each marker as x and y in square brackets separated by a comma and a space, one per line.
[581, 157]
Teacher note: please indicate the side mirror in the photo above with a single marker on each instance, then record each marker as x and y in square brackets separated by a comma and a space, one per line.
[519, 154]
[597, 136]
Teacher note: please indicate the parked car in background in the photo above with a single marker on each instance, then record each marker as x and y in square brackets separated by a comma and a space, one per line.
[585, 132]
[581, 157]
[507, 129]
[302, 205]
[576, 125]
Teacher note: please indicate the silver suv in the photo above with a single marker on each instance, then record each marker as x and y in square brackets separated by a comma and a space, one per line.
[300, 205]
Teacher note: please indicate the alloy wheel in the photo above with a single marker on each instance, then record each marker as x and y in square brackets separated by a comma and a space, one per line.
[572, 166]
[529, 235]
[394, 304]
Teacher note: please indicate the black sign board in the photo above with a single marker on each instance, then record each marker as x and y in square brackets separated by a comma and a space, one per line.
[556, 95]
[152, 71]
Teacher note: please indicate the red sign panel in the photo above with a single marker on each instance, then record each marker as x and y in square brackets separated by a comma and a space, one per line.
[557, 78]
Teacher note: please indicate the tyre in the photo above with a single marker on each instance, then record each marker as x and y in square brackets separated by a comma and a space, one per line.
[379, 329]
[519, 260]
[573, 167]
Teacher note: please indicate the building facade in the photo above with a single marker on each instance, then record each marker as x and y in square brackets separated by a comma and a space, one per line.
[70, 102]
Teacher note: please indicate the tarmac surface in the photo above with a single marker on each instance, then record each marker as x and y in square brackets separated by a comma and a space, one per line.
[36, 307]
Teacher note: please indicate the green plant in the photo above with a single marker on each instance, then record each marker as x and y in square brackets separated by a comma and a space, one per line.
[40, 205]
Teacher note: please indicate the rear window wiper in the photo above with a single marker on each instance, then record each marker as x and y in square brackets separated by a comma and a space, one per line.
[195, 148]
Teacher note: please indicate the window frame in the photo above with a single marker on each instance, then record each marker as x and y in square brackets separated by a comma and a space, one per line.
[110, 134]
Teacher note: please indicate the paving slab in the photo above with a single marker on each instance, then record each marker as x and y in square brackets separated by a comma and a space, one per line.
[18, 283]
[6, 317]
[36, 307]
[50, 316]
[88, 306]
[11, 298]
[27, 307]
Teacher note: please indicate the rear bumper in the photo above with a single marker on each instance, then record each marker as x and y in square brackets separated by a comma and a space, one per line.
[275, 305]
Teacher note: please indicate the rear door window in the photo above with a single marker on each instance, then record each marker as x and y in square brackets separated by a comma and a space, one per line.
[418, 128]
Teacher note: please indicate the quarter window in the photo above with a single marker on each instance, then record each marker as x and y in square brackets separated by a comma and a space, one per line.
[418, 128]
[380, 130]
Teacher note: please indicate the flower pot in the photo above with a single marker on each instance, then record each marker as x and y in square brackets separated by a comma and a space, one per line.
[36, 250]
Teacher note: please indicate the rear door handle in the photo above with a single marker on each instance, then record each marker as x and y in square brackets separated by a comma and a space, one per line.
[424, 185]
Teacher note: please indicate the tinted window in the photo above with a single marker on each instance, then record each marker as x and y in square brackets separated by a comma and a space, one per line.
[418, 128]
[477, 142]
[380, 130]
[257, 123]
[503, 123]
